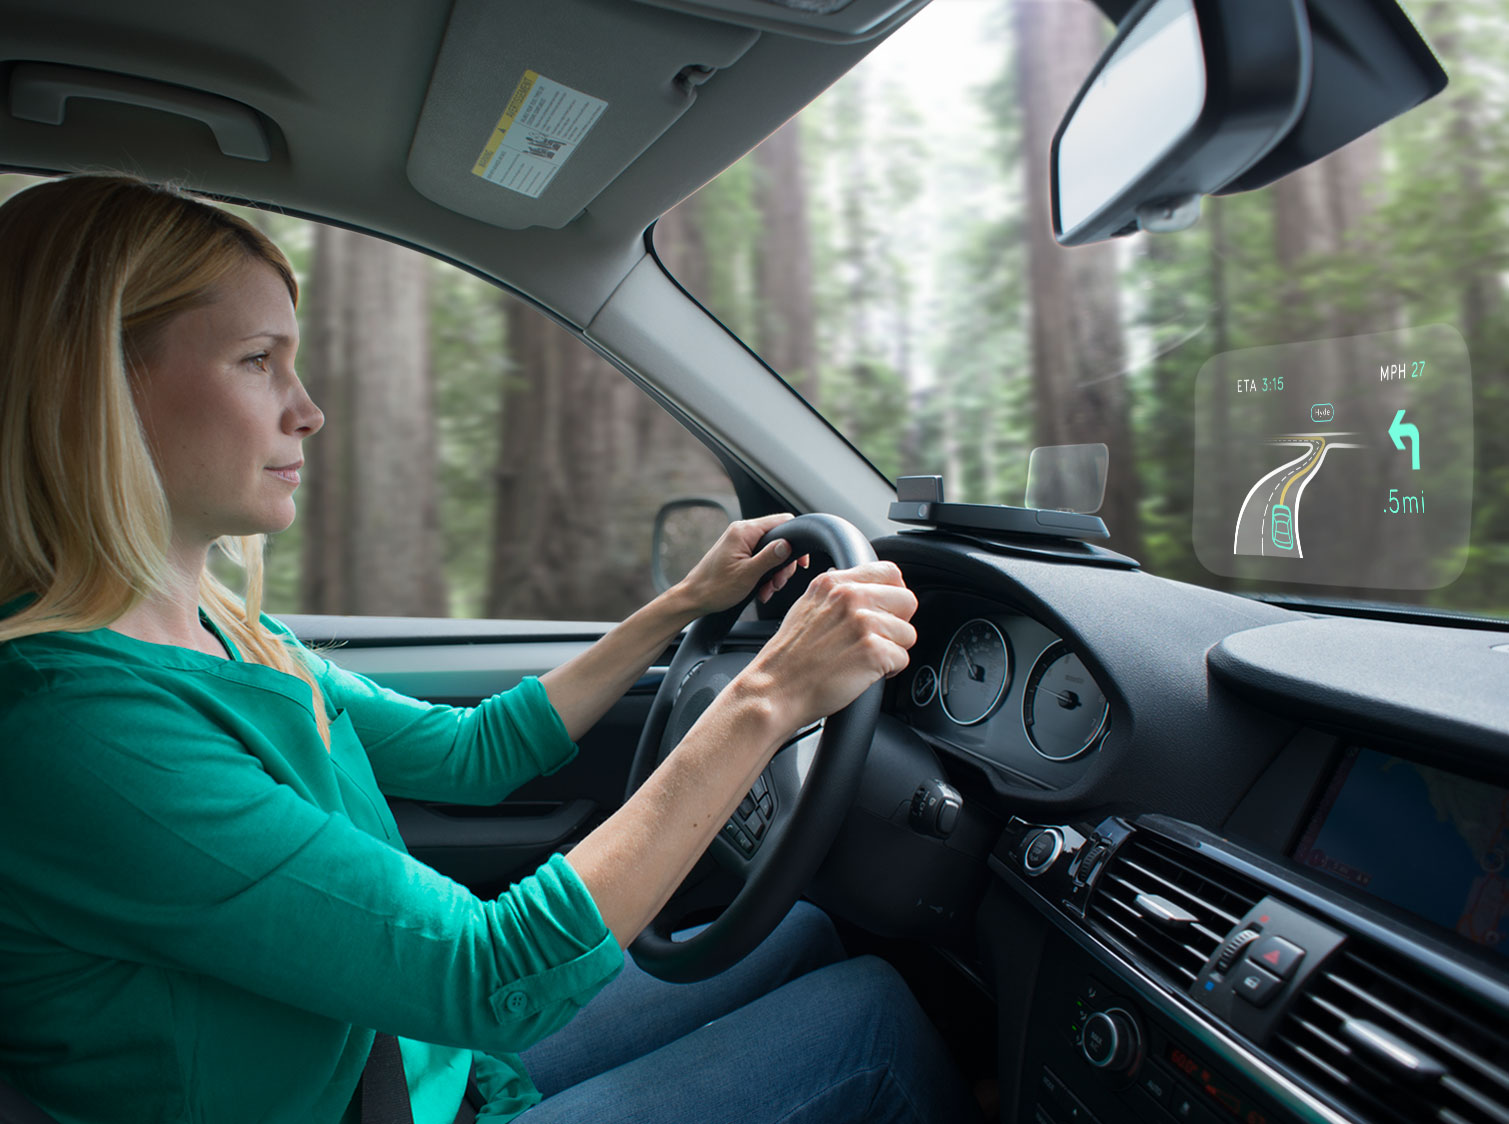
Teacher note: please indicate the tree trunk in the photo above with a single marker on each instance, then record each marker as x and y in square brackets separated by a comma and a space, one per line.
[1078, 354]
[787, 340]
[373, 543]
[586, 459]
[325, 561]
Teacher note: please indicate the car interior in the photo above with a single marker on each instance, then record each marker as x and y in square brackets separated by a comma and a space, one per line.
[1108, 825]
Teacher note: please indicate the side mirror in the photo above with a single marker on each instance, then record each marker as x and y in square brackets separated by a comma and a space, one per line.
[1189, 94]
[684, 529]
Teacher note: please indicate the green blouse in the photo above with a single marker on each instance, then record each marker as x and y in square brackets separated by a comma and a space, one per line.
[202, 912]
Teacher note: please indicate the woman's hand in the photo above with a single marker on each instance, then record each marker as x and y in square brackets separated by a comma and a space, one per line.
[846, 631]
[583, 688]
[729, 570]
[850, 628]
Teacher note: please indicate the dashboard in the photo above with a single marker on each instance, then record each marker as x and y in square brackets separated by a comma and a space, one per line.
[1241, 863]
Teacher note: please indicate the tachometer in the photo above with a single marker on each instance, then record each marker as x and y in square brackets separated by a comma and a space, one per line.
[1064, 712]
[975, 672]
[924, 685]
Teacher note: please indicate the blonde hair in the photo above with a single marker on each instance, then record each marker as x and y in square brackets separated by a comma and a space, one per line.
[91, 270]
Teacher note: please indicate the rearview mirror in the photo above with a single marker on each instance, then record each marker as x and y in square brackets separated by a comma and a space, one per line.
[1188, 95]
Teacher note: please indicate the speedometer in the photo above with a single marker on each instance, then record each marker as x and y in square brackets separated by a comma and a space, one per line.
[975, 672]
[1063, 711]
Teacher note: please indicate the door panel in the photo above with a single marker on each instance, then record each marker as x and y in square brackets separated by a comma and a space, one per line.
[459, 663]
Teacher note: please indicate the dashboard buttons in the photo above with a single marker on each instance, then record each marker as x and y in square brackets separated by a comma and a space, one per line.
[1187, 1110]
[1043, 851]
[1089, 862]
[1065, 1105]
[1277, 955]
[1257, 986]
[1157, 1084]
[1233, 948]
[1111, 1041]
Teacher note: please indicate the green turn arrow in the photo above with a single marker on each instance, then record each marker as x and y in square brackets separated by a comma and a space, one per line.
[1399, 430]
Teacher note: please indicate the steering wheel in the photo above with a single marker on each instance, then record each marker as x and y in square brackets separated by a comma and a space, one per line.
[797, 805]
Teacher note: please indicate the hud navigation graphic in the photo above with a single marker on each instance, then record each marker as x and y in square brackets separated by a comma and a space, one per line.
[1337, 462]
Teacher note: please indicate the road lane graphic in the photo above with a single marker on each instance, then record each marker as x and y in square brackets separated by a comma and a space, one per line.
[1268, 521]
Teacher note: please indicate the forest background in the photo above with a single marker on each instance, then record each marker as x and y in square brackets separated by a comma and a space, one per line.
[888, 252]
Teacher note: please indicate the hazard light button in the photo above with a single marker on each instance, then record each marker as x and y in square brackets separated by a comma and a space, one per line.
[1279, 956]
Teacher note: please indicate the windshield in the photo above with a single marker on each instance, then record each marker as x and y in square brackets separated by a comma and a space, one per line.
[1302, 395]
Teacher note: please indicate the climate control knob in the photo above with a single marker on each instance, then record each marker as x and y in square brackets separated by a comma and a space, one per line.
[1110, 1041]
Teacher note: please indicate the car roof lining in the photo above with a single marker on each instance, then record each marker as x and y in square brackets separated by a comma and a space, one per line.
[331, 74]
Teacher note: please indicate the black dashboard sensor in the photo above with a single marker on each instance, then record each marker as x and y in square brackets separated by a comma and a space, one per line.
[919, 500]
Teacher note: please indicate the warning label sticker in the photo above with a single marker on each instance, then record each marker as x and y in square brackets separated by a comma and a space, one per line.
[538, 132]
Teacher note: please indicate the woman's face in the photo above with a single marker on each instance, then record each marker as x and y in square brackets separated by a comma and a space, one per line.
[225, 413]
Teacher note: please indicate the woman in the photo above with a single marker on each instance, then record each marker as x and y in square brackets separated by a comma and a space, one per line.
[205, 907]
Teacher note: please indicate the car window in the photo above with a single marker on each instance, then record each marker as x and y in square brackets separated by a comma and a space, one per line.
[477, 460]
[889, 252]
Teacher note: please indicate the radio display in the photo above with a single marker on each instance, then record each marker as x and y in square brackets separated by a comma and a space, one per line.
[1423, 839]
[1216, 1088]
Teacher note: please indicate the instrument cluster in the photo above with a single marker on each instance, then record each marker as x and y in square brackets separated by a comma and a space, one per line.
[998, 686]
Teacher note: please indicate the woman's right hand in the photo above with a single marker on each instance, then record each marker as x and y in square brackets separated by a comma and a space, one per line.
[846, 631]
[850, 628]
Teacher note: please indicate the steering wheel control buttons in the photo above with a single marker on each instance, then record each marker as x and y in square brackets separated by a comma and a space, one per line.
[751, 819]
[760, 794]
[935, 808]
[735, 835]
[1043, 851]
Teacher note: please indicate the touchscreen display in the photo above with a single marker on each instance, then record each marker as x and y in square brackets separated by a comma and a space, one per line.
[1426, 840]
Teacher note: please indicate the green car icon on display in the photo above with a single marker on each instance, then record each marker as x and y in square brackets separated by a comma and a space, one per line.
[1282, 527]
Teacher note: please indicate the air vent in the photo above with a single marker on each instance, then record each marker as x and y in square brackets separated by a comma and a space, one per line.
[1168, 905]
[1383, 1039]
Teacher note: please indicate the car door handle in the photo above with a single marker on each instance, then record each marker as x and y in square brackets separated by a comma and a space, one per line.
[40, 91]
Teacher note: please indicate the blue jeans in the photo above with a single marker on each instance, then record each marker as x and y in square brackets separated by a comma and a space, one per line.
[792, 1033]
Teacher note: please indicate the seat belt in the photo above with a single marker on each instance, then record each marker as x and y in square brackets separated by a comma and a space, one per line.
[385, 1090]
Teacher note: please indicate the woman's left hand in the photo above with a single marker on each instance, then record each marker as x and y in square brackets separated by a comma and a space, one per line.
[730, 569]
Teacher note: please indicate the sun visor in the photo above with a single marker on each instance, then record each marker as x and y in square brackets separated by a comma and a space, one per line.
[826, 21]
[527, 120]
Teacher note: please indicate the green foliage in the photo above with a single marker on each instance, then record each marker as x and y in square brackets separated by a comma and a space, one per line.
[730, 226]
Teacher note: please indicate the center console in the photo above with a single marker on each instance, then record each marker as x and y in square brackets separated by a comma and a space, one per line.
[1201, 982]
